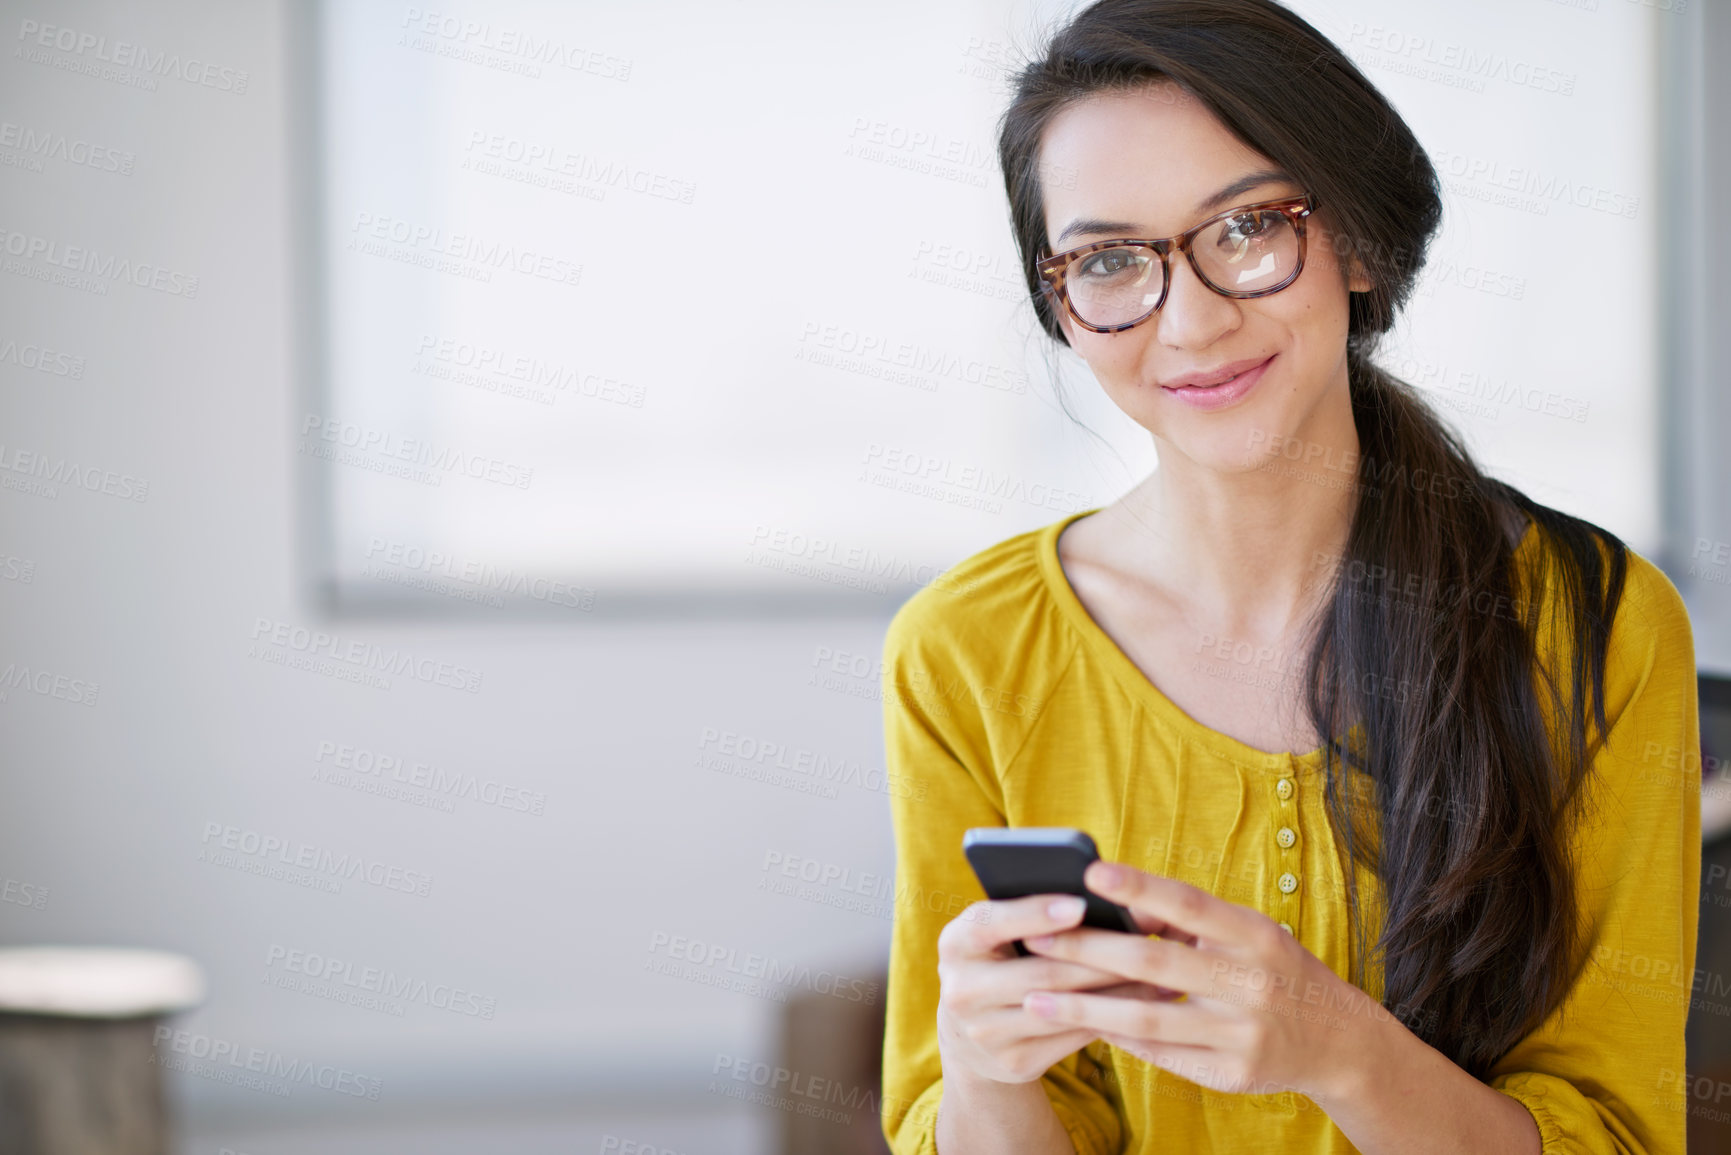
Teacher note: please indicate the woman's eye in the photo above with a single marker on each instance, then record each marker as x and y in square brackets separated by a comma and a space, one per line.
[1241, 230]
[1107, 263]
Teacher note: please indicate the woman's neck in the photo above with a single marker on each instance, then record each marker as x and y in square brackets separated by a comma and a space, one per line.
[1250, 548]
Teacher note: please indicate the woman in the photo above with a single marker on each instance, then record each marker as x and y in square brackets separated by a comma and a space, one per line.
[1367, 739]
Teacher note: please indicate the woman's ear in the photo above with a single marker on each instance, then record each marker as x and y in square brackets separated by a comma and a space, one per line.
[1357, 280]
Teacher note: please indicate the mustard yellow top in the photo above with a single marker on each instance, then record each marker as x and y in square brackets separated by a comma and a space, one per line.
[1006, 704]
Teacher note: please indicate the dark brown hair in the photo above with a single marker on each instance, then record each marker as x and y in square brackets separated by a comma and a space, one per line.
[1473, 792]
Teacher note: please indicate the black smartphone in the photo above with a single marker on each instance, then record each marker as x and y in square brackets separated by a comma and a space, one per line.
[1016, 861]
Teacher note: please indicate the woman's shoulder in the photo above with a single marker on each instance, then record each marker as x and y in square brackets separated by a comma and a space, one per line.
[1651, 652]
[1650, 631]
[988, 609]
[1654, 604]
[1649, 605]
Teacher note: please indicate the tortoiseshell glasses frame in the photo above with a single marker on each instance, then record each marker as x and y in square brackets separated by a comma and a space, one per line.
[1054, 270]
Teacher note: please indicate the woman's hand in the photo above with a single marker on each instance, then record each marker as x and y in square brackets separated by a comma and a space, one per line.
[983, 1027]
[1259, 1013]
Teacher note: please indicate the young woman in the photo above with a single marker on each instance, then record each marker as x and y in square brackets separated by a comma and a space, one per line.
[1396, 767]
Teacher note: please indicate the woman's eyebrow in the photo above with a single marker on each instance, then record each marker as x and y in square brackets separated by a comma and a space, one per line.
[1237, 188]
[1241, 186]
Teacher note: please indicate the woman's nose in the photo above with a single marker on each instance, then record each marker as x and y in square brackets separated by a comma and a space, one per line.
[1193, 316]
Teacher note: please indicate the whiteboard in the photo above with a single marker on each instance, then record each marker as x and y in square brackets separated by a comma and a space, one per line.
[661, 304]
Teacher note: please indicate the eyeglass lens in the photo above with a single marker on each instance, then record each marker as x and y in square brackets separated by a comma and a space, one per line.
[1242, 253]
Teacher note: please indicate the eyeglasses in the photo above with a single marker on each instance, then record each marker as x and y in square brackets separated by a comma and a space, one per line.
[1109, 286]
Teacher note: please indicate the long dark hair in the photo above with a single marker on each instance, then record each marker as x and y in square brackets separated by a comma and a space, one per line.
[1472, 791]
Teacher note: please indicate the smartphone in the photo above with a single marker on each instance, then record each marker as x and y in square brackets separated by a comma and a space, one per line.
[1016, 861]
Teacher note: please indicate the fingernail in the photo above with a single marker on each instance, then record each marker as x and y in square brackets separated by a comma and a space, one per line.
[1042, 1004]
[1041, 941]
[1108, 874]
[1066, 908]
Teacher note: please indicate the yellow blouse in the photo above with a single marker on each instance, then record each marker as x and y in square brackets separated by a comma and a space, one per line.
[1005, 703]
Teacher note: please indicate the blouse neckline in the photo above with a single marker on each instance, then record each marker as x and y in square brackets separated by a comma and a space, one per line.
[1136, 683]
[1141, 689]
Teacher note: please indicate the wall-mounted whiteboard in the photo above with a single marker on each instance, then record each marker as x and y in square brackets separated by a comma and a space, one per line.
[663, 303]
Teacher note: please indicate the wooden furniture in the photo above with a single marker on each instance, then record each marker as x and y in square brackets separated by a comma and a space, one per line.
[1709, 1032]
[78, 1071]
[840, 1041]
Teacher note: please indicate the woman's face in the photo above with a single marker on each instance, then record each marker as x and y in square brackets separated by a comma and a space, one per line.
[1152, 163]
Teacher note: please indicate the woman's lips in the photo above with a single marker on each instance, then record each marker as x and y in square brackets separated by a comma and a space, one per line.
[1221, 395]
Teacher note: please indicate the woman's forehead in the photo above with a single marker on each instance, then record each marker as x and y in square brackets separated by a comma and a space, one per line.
[1154, 155]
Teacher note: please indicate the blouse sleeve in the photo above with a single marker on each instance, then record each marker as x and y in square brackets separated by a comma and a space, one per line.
[1604, 1072]
[938, 759]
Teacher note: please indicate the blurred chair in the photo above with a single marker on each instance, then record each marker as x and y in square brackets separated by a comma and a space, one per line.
[79, 1073]
[1709, 1033]
[825, 1037]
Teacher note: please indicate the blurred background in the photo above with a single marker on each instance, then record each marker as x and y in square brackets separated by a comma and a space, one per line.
[458, 463]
